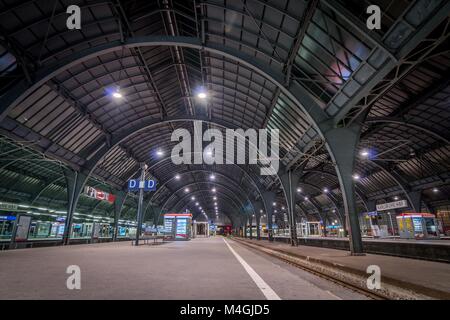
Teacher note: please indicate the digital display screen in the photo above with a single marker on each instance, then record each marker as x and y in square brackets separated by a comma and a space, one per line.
[181, 228]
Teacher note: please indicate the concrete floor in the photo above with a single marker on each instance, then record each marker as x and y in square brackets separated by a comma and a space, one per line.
[195, 270]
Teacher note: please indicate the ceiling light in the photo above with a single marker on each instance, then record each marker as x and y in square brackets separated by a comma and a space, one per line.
[212, 177]
[435, 190]
[356, 176]
[364, 153]
[299, 189]
[192, 198]
[117, 94]
[395, 198]
[186, 190]
[306, 198]
[213, 190]
[202, 95]
[177, 177]
[159, 153]
[325, 190]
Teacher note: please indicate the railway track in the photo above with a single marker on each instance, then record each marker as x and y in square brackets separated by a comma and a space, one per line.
[346, 284]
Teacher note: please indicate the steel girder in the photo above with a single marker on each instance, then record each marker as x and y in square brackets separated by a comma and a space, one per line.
[208, 182]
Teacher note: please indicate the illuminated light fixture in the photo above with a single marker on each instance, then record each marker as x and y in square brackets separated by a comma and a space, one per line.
[334, 210]
[364, 153]
[261, 211]
[177, 177]
[282, 208]
[215, 203]
[202, 95]
[395, 198]
[213, 190]
[212, 177]
[215, 198]
[186, 190]
[335, 221]
[306, 198]
[325, 190]
[192, 198]
[435, 190]
[276, 211]
[197, 204]
[356, 176]
[117, 94]
[159, 153]
[299, 189]
[274, 204]
[201, 208]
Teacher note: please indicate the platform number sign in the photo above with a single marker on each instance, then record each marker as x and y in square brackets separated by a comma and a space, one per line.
[135, 185]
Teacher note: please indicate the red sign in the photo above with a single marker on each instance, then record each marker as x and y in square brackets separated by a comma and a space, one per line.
[99, 195]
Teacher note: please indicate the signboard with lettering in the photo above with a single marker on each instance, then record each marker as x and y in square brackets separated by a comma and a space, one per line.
[8, 206]
[99, 194]
[392, 205]
[135, 185]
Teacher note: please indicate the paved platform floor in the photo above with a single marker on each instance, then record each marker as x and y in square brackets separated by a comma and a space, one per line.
[429, 274]
[194, 270]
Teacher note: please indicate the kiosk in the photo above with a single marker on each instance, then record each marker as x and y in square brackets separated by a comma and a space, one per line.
[417, 226]
[178, 225]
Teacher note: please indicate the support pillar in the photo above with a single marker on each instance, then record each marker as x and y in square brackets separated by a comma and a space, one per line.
[269, 199]
[342, 144]
[118, 205]
[75, 182]
[250, 225]
[140, 204]
[290, 183]
[415, 198]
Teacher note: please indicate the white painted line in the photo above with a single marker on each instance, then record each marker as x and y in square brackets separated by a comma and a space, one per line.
[262, 285]
[333, 295]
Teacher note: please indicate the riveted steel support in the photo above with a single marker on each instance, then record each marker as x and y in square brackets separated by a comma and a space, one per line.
[342, 143]
[140, 204]
[290, 183]
[269, 199]
[258, 206]
[75, 182]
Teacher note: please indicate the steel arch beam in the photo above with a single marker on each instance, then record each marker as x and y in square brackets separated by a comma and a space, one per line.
[399, 181]
[358, 193]
[300, 95]
[255, 183]
[234, 183]
[183, 199]
[416, 126]
[233, 204]
[208, 182]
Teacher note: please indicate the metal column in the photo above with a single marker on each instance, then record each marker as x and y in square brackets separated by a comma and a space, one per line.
[140, 203]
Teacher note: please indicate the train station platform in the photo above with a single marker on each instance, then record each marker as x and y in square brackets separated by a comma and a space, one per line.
[200, 269]
[432, 250]
[429, 278]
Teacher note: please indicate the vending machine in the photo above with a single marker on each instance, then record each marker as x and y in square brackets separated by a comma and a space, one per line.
[178, 225]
